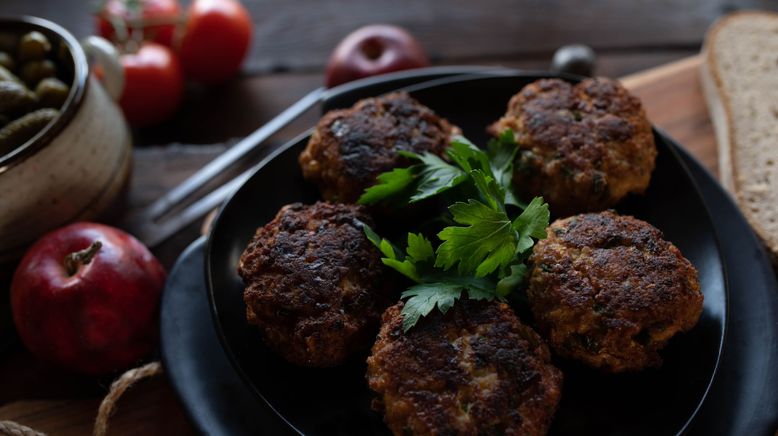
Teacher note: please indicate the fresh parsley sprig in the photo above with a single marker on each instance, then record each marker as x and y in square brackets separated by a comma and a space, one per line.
[487, 246]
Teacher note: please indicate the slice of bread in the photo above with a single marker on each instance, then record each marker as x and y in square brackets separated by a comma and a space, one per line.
[740, 81]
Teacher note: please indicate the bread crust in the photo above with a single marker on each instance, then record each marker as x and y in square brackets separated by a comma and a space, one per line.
[720, 107]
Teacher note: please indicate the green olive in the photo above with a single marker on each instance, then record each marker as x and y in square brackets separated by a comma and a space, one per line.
[19, 131]
[35, 71]
[7, 61]
[7, 76]
[15, 98]
[52, 93]
[33, 46]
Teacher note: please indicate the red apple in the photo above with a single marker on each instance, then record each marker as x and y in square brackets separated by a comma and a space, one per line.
[372, 50]
[86, 297]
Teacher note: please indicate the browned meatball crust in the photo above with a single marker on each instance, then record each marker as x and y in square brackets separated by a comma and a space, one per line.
[350, 147]
[608, 291]
[475, 370]
[582, 147]
[315, 285]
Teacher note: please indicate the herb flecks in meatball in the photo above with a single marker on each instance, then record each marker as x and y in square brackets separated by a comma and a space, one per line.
[315, 285]
[474, 370]
[582, 147]
[609, 291]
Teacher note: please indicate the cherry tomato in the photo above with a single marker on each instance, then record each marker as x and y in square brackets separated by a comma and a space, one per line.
[215, 40]
[151, 11]
[153, 85]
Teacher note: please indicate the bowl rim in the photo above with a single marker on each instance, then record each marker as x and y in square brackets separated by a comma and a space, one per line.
[77, 90]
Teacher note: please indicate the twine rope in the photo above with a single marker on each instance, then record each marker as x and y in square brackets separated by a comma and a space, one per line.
[10, 428]
[118, 387]
[107, 406]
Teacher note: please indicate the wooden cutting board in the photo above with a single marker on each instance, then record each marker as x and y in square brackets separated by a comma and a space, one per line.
[672, 96]
[673, 99]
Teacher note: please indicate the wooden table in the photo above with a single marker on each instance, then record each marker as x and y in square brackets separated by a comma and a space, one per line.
[291, 44]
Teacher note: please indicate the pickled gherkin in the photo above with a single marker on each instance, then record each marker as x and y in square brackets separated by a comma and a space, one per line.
[6, 61]
[21, 130]
[33, 46]
[7, 76]
[34, 72]
[52, 93]
[31, 93]
[15, 98]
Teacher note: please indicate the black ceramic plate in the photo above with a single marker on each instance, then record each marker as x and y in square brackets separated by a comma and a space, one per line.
[742, 401]
[336, 401]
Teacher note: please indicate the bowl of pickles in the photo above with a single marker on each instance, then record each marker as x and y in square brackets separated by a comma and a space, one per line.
[65, 149]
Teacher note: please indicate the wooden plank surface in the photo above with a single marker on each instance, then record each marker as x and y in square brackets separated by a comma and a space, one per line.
[298, 35]
[49, 401]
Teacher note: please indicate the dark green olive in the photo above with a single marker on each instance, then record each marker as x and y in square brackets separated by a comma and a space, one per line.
[52, 93]
[35, 71]
[574, 59]
[21, 130]
[7, 76]
[33, 46]
[7, 61]
[15, 98]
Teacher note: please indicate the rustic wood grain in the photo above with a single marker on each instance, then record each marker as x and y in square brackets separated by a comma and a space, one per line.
[298, 35]
[674, 102]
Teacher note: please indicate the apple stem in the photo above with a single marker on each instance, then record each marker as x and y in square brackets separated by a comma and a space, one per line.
[74, 260]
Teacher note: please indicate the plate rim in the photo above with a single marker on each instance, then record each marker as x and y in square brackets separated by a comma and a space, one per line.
[468, 75]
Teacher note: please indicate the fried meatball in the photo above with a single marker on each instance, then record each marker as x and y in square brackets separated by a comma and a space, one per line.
[608, 291]
[475, 370]
[582, 147]
[315, 285]
[351, 147]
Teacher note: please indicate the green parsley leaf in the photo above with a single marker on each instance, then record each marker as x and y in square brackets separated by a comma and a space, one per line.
[492, 193]
[390, 184]
[404, 267]
[532, 223]
[419, 248]
[517, 276]
[488, 242]
[489, 249]
[436, 176]
[426, 296]
[419, 251]
[502, 152]
[467, 156]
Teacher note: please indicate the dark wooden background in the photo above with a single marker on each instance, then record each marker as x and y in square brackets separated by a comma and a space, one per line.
[292, 41]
